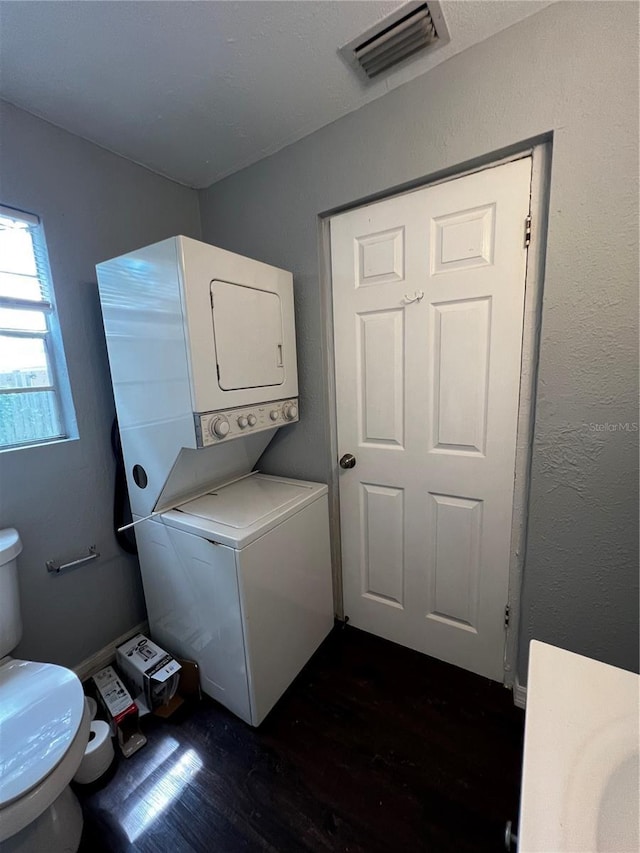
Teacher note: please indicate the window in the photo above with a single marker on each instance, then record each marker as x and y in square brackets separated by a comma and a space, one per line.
[30, 400]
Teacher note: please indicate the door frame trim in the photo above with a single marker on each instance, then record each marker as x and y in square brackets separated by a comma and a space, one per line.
[540, 153]
[532, 322]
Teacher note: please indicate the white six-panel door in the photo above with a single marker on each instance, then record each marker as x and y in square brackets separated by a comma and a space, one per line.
[428, 296]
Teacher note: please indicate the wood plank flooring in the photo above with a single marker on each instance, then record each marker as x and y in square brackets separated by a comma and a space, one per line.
[374, 748]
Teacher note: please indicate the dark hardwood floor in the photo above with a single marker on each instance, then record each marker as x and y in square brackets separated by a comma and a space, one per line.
[374, 748]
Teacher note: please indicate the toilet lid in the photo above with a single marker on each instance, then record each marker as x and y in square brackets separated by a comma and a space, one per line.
[41, 707]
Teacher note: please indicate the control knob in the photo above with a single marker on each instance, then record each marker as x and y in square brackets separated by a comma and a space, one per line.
[219, 427]
[274, 414]
[290, 411]
[242, 422]
[252, 420]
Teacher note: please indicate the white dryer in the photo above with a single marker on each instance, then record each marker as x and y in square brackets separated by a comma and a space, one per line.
[239, 580]
[202, 351]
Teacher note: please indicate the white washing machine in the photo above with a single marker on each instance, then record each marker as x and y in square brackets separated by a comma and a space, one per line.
[239, 580]
[235, 566]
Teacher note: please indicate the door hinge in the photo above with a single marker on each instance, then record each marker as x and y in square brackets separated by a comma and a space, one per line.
[507, 614]
[527, 230]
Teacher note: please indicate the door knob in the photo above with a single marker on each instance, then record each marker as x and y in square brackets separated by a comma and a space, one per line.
[348, 461]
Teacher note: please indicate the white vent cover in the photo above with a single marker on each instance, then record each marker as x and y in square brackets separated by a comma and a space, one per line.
[409, 30]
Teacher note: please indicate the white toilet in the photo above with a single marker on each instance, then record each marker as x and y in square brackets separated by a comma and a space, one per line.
[44, 730]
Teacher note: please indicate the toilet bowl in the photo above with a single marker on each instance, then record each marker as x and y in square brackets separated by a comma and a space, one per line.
[44, 731]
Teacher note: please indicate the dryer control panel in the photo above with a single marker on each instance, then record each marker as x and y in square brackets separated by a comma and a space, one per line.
[214, 427]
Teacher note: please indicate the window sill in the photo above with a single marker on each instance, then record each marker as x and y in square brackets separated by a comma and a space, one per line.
[47, 442]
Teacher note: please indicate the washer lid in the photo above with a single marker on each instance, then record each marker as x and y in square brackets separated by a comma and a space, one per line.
[41, 707]
[245, 502]
[241, 512]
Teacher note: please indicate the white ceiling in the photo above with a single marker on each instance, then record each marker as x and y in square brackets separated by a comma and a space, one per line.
[198, 90]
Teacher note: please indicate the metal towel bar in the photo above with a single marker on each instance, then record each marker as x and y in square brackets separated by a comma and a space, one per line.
[55, 568]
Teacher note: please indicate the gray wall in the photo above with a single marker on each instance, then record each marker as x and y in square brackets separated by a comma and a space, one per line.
[94, 205]
[570, 70]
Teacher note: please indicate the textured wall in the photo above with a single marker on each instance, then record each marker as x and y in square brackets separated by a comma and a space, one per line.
[94, 205]
[570, 70]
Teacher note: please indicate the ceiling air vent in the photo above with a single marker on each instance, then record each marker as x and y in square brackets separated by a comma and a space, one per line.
[411, 29]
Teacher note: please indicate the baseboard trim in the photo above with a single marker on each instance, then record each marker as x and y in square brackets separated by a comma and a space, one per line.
[103, 657]
[519, 694]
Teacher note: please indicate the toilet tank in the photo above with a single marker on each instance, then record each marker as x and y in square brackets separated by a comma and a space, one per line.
[10, 620]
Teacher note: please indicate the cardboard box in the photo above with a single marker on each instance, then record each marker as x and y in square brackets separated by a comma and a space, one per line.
[151, 673]
[188, 689]
[121, 711]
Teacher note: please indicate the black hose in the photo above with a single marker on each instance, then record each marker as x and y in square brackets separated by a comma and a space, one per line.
[121, 507]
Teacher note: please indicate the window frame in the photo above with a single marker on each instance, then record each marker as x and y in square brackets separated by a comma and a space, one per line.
[50, 337]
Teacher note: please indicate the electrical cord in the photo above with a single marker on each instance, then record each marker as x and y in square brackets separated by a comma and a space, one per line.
[121, 507]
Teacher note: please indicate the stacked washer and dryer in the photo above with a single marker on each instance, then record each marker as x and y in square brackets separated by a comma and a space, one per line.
[235, 564]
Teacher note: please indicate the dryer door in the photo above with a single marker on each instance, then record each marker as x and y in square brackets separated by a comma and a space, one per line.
[239, 329]
[247, 324]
